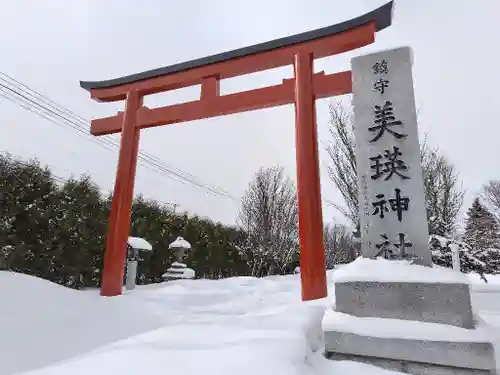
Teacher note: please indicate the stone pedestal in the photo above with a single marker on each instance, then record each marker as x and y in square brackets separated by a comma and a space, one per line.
[445, 303]
[178, 271]
[417, 326]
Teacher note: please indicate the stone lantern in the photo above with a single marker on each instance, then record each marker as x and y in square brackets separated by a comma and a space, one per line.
[135, 245]
[179, 270]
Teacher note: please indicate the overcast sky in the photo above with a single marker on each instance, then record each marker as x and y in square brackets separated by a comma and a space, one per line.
[51, 45]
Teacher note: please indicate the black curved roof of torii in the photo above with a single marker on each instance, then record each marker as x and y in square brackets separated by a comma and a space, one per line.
[382, 17]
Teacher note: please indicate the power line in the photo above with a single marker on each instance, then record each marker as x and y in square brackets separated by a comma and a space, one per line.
[43, 106]
[149, 159]
[54, 113]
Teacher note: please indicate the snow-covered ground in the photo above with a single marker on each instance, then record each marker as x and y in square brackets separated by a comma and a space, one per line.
[233, 326]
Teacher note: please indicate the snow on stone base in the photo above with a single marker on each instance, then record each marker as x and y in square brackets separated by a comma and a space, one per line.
[382, 270]
[403, 329]
[179, 273]
[178, 265]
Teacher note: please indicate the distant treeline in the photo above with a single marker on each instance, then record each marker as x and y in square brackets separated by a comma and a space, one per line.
[58, 232]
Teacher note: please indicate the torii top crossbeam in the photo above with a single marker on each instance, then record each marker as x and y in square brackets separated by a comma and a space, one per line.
[381, 18]
[302, 90]
[209, 70]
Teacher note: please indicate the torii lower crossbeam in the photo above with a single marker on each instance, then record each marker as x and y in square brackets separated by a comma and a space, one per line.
[211, 104]
[302, 91]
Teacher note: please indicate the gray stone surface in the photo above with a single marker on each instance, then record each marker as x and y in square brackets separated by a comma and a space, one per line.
[415, 354]
[427, 302]
[398, 102]
[427, 369]
[131, 274]
[412, 368]
[389, 364]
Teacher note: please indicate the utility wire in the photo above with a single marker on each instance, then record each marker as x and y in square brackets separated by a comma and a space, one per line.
[182, 176]
[14, 94]
[43, 106]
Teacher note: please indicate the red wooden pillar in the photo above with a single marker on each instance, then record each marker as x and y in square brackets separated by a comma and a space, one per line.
[312, 253]
[119, 222]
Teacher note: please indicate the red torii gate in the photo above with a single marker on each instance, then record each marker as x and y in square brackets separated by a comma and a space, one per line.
[299, 50]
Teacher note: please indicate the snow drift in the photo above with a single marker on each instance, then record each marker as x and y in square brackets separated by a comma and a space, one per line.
[238, 325]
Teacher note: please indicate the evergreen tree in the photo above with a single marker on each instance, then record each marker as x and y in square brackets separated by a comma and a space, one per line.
[441, 249]
[59, 232]
[81, 224]
[29, 198]
[482, 235]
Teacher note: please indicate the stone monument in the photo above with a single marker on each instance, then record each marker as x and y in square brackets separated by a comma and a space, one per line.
[178, 269]
[426, 311]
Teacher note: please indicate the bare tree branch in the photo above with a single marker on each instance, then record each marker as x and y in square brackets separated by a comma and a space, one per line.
[444, 193]
[342, 168]
[490, 194]
[340, 246]
[269, 215]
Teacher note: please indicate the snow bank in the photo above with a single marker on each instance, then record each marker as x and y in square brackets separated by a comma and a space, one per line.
[493, 280]
[42, 322]
[382, 270]
[220, 348]
[238, 325]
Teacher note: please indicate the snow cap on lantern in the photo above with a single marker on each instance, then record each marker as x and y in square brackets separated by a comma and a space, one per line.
[180, 245]
[179, 270]
[180, 242]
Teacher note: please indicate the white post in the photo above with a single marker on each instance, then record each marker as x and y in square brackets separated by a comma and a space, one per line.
[455, 257]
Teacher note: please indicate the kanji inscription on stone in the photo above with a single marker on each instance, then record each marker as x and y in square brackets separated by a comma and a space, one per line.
[388, 164]
[398, 204]
[393, 221]
[380, 85]
[397, 250]
[380, 67]
[384, 121]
